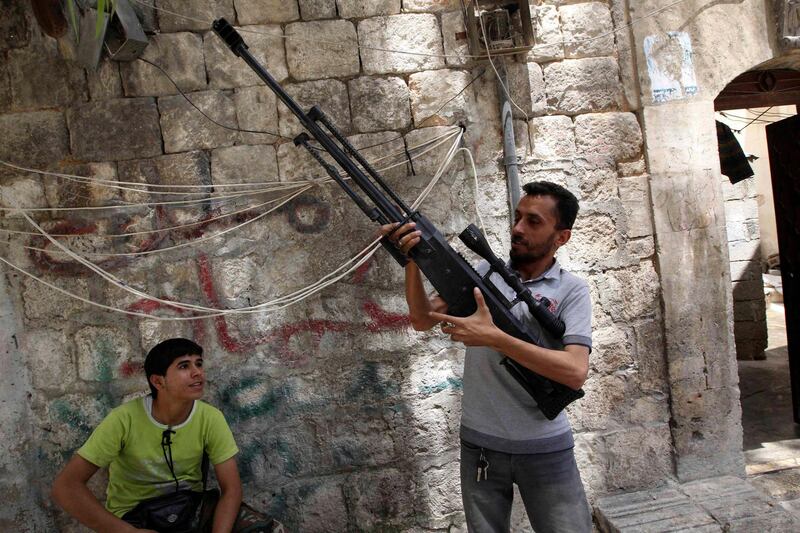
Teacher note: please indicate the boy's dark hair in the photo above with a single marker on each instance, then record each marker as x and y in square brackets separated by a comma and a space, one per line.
[164, 353]
[566, 204]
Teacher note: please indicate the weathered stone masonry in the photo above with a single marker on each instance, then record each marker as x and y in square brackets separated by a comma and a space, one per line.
[347, 420]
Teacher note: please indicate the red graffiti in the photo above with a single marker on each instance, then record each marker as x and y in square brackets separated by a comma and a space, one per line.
[379, 320]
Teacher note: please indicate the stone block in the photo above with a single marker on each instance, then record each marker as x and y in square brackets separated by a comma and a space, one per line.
[318, 506]
[379, 103]
[45, 303]
[179, 15]
[748, 290]
[190, 168]
[40, 78]
[181, 57]
[587, 29]
[738, 191]
[632, 168]
[430, 6]
[750, 330]
[359, 9]
[427, 164]
[104, 354]
[606, 410]
[456, 45]
[185, 129]
[553, 137]
[431, 89]
[317, 9]
[745, 251]
[707, 431]
[538, 97]
[519, 88]
[612, 350]
[745, 270]
[741, 210]
[417, 33]
[752, 310]
[22, 192]
[14, 27]
[576, 86]
[743, 231]
[639, 457]
[595, 241]
[50, 359]
[385, 151]
[608, 136]
[257, 110]
[659, 509]
[244, 164]
[235, 279]
[36, 138]
[548, 44]
[643, 248]
[441, 488]
[329, 95]
[226, 71]
[266, 11]
[128, 129]
[105, 82]
[635, 195]
[322, 49]
[295, 164]
[650, 358]
[379, 494]
[5, 89]
[65, 192]
[630, 293]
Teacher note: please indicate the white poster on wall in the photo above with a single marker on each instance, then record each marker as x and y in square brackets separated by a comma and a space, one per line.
[670, 66]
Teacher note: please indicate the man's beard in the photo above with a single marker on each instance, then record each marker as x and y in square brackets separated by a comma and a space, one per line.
[531, 254]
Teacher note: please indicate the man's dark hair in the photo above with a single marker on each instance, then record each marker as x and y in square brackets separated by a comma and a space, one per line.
[566, 203]
[164, 353]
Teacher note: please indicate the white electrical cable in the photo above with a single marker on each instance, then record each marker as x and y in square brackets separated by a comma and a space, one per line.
[278, 303]
[306, 187]
[208, 197]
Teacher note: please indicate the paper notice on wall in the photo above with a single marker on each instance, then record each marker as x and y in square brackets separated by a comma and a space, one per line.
[670, 66]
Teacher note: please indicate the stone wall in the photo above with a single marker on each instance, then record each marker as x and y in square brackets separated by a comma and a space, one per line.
[749, 308]
[346, 419]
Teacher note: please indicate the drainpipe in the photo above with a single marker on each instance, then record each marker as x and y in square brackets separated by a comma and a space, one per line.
[509, 144]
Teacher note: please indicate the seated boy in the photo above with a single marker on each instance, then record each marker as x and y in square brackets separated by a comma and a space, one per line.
[154, 447]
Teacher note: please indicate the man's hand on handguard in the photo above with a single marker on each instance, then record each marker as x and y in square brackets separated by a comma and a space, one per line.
[405, 238]
[478, 329]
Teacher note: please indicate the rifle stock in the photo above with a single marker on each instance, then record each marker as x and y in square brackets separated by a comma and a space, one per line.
[449, 273]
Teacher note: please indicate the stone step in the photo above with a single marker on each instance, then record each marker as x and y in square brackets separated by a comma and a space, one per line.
[718, 504]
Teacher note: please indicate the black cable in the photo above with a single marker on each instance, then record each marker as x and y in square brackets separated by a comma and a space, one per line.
[201, 111]
[166, 444]
[758, 117]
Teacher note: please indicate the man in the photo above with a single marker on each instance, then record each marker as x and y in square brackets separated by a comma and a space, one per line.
[154, 446]
[505, 439]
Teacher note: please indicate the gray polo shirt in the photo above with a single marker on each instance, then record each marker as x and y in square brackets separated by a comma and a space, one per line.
[497, 413]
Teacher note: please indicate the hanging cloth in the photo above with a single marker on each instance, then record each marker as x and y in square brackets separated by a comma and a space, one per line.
[732, 160]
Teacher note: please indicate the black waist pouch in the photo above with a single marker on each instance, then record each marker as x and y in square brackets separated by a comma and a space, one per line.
[176, 512]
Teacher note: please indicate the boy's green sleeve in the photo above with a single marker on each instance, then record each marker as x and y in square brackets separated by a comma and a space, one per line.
[106, 441]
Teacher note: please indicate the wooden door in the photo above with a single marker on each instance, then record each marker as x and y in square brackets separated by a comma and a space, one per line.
[783, 139]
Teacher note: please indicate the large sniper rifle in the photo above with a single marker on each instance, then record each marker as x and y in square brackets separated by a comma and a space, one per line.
[450, 274]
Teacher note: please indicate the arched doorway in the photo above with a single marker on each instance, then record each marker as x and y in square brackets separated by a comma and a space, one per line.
[757, 112]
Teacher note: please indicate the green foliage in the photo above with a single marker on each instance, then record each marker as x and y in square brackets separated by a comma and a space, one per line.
[103, 6]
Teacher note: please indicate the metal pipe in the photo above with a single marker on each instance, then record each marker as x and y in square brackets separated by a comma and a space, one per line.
[509, 143]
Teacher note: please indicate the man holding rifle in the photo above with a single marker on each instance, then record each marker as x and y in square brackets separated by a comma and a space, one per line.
[505, 438]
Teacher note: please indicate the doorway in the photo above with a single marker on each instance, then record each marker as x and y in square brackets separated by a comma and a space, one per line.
[763, 218]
